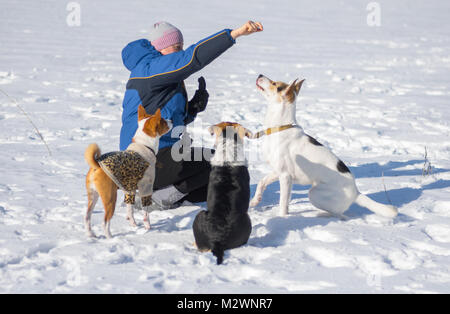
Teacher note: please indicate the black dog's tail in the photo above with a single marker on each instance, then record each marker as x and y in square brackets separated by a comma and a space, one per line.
[218, 252]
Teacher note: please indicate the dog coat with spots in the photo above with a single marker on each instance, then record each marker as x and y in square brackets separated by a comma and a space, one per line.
[131, 170]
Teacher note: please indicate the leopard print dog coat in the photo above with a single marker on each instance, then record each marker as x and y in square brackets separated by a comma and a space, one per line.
[131, 170]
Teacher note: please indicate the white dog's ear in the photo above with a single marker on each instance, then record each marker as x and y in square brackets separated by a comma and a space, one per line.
[290, 87]
[298, 86]
[295, 86]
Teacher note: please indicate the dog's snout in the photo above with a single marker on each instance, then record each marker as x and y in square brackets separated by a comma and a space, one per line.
[259, 81]
[261, 78]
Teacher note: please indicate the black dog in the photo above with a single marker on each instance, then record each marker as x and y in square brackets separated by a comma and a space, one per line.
[226, 224]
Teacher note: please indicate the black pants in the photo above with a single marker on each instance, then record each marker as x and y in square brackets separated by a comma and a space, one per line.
[190, 177]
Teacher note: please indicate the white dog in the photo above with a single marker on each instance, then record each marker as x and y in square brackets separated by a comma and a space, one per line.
[296, 157]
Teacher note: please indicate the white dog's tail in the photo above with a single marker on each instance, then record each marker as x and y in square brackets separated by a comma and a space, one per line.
[378, 208]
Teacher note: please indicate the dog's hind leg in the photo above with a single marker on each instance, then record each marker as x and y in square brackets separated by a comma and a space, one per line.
[262, 185]
[333, 199]
[285, 193]
[108, 193]
[201, 236]
[92, 200]
[109, 201]
[110, 205]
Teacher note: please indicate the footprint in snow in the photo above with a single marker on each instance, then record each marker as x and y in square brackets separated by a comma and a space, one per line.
[438, 232]
[319, 234]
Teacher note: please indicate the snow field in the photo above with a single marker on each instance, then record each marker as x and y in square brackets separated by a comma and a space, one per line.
[377, 96]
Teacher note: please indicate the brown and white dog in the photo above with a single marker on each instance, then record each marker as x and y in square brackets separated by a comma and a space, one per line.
[130, 170]
[296, 157]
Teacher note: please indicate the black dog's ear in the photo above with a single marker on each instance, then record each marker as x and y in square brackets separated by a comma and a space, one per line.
[244, 132]
[213, 129]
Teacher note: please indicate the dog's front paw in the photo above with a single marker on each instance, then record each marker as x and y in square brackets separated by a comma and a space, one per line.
[284, 211]
[130, 215]
[91, 234]
[132, 221]
[146, 221]
[255, 201]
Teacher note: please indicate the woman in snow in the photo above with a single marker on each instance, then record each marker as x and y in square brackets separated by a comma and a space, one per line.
[158, 68]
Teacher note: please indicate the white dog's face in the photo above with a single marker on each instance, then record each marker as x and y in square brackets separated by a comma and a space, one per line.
[278, 92]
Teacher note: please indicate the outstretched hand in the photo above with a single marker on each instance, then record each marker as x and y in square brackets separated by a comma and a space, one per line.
[248, 28]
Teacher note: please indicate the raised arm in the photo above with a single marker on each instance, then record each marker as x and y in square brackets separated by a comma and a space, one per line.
[177, 66]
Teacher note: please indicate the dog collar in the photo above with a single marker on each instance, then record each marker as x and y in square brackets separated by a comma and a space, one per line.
[273, 130]
[151, 149]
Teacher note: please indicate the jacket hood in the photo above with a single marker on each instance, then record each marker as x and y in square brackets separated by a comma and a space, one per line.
[135, 51]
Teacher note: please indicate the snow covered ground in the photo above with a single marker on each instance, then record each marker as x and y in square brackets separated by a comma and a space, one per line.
[376, 95]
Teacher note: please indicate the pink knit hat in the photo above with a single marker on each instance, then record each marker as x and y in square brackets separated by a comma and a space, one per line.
[164, 35]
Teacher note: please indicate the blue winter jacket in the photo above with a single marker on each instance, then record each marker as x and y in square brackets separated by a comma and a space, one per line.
[156, 81]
